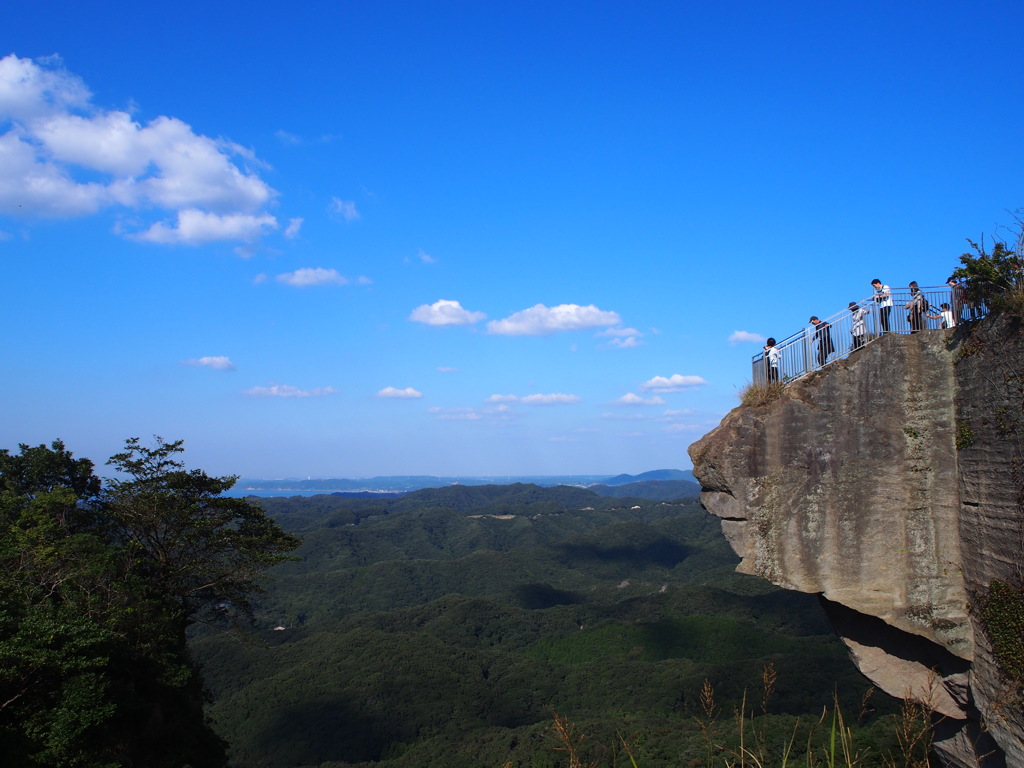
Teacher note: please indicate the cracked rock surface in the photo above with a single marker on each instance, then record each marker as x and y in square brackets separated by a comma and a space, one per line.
[862, 484]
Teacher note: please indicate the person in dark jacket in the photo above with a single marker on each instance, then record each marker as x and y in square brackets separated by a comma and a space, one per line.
[823, 338]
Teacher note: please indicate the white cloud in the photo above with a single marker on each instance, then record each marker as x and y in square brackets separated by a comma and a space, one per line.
[343, 209]
[446, 369]
[310, 276]
[425, 257]
[287, 390]
[674, 383]
[195, 227]
[621, 332]
[541, 320]
[556, 398]
[62, 157]
[632, 399]
[218, 363]
[445, 312]
[623, 416]
[34, 89]
[742, 337]
[363, 280]
[292, 230]
[402, 394]
[260, 278]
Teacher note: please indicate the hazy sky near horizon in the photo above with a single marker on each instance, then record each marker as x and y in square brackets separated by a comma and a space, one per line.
[339, 239]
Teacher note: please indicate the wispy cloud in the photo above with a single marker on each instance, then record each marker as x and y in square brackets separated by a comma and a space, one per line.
[310, 276]
[676, 414]
[425, 257]
[217, 363]
[287, 390]
[292, 230]
[621, 338]
[63, 157]
[633, 399]
[286, 137]
[445, 312]
[446, 369]
[498, 412]
[674, 383]
[343, 209]
[540, 320]
[401, 394]
[294, 140]
[556, 398]
[743, 337]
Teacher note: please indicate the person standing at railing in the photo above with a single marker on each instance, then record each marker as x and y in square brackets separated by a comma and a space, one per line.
[771, 359]
[916, 308]
[823, 338]
[956, 295]
[883, 298]
[858, 326]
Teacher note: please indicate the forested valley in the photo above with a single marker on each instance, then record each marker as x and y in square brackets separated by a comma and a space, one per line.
[449, 626]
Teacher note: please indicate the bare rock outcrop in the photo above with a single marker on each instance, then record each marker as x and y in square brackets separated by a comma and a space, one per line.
[886, 485]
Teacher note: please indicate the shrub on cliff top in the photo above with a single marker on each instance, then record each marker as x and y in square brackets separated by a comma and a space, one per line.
[996, 278]
[755, 394]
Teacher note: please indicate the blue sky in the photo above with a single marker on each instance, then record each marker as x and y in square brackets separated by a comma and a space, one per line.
[338, 239]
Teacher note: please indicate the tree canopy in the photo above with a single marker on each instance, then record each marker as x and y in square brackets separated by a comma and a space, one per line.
[97, 585]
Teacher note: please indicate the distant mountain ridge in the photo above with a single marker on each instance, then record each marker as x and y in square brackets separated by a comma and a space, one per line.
[408, 483]
[658, 475]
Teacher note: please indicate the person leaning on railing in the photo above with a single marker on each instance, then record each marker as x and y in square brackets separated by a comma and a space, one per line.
[916, 308]
[945, 315]
[858, 327]
[883, 297]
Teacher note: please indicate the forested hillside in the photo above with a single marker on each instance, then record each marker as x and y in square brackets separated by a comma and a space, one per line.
[444, 628]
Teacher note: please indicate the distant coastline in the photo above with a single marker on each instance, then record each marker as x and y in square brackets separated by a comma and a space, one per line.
[396, 484]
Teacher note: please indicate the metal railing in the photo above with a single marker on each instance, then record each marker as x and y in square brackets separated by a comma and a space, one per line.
[833, 339]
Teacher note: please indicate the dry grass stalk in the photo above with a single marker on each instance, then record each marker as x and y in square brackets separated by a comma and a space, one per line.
[571, 739]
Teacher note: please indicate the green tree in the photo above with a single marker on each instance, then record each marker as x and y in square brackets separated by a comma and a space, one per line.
[995, 278]
[203, 550]
[96, 589]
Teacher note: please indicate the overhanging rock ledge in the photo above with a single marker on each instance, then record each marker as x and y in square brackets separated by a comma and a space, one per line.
[860, 484]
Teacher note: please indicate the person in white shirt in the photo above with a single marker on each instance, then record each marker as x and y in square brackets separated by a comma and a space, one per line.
[946, 316]
[772, 355]
[883, 297]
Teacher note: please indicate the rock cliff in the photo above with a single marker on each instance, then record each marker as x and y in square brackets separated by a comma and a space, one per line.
[891, 485]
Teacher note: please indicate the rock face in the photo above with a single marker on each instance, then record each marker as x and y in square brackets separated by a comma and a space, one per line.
[888, 485]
